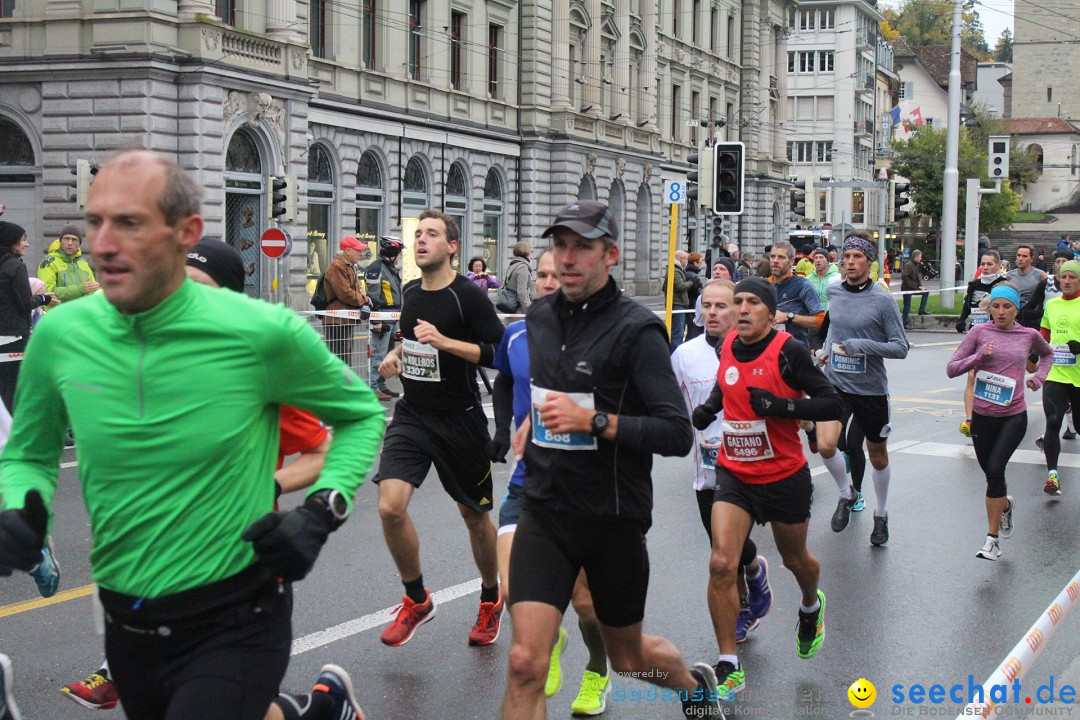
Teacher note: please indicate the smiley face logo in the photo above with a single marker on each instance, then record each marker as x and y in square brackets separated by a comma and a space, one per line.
[862, 693]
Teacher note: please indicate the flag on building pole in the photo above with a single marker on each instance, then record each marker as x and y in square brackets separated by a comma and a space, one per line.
[894, 116]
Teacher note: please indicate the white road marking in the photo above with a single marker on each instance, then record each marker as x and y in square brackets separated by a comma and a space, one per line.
[375, 619]
[1031, 457]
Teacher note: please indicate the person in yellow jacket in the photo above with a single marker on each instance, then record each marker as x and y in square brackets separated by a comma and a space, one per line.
[64, 270]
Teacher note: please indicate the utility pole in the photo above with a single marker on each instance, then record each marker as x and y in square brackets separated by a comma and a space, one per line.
[950, 200]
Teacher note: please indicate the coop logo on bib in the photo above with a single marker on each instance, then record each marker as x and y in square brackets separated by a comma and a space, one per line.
[419, 361]
[746, 440]
[731, 375]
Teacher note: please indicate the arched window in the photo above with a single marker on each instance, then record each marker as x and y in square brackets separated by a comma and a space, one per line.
[19, 187]
[617, 205]
[642, 235]
[586, 188]
[1036, 152]
[414, 193]
[243, 154]
[370, 198]
[494, 250]
[244, 209]
[321, 195]
[456, 203]
[15, 148]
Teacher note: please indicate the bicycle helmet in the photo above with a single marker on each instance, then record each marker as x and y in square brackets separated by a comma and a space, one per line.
[390, 246]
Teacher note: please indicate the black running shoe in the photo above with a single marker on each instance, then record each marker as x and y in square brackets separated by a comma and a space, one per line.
[842, 515]
[880, 535]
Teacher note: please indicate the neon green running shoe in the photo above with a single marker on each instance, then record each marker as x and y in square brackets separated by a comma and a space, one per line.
[592, 698]
[554, 678]
[811, 630]
[729, 679]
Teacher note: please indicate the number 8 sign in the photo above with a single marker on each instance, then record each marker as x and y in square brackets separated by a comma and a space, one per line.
[674, 192]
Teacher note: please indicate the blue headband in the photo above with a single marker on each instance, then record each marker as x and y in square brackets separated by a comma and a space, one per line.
[1005, 293]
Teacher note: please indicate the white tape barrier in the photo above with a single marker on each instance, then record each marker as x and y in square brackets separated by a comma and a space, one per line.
[11, 357]
[920, 292]
[1023, 656]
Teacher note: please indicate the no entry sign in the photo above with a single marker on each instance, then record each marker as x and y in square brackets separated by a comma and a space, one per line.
[274, 242]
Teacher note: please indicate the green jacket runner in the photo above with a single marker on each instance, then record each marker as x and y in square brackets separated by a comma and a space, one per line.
[176, 411]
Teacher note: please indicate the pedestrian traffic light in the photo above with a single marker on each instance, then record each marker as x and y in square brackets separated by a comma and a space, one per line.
[896, 201]
[283, 198]
[728, 179]
[997, 165]
[84, 173]
[699, 179]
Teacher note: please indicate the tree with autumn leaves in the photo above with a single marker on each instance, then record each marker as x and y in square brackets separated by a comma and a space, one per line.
[929, 22]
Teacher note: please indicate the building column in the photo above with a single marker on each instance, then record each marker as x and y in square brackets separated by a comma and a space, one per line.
[190, 9]
[594, 74]
[281, 21]
[651, 92]
[621, 70]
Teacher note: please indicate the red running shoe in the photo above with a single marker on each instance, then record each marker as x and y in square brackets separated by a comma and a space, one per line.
[96, 692]
[486, 629]
[410, 615]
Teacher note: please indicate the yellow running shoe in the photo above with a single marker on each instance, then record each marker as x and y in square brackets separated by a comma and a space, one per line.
[554, 678]
[592, 698]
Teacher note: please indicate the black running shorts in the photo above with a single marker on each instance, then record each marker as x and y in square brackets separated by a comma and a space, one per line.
[784, 501]
[551, 547]
[871, 412]
[454, 444]
[222, 664]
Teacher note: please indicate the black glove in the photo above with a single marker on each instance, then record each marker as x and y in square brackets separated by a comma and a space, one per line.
[960, 326]
[22, 534]
[1074, 347]
[289, 542]
[498, 447]
[703, 417]
[765, 404]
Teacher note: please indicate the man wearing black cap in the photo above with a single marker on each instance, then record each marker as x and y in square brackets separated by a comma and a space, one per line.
[761, 473]
[604, 400]
[64, 270]
[864, 328]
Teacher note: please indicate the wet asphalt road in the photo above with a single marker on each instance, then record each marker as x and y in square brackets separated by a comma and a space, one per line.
[922, 610]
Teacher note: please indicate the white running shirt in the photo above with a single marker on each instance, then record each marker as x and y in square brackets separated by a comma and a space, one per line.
[695, 365]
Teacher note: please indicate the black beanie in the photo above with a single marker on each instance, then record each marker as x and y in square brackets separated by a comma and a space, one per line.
[10, 233]
[727, 262]
[220, 261]
[760, 287]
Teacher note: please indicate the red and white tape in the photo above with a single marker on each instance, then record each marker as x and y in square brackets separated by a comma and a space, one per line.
[1023, 656]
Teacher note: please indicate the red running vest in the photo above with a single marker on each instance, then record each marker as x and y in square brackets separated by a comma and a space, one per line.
[757, 450]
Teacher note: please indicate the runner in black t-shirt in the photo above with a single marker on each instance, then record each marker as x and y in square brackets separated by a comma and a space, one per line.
[448, 326]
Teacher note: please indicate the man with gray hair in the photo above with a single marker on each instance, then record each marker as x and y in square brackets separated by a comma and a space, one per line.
[162, 376]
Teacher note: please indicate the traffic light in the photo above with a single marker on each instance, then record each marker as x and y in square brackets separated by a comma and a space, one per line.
[803, 201]
[997, 165]
[699, 179]
[718, 239]
[896, 201]
[728, 176]
[283, 198]
[84, 173]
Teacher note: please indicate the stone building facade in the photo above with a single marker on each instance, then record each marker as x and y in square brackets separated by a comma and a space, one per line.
[497, 111]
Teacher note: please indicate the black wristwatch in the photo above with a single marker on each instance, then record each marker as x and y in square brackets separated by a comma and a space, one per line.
[335, 504]
[791, 317]
[600, 422]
